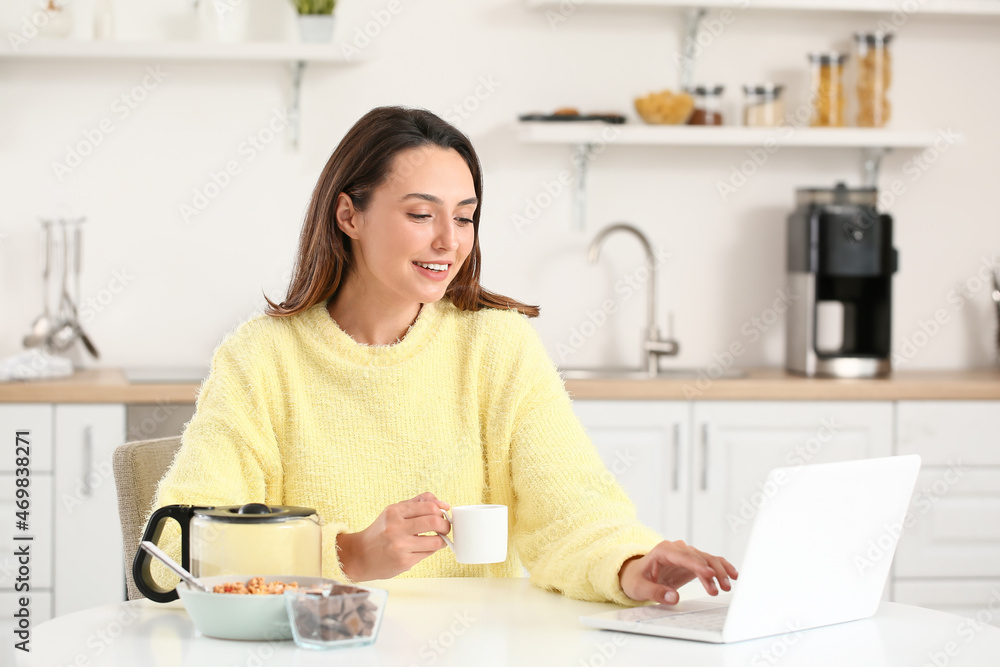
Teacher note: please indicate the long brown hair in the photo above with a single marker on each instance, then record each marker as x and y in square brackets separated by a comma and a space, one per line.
[362, 162]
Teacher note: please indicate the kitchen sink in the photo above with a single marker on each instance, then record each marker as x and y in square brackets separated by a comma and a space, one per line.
[637, 374]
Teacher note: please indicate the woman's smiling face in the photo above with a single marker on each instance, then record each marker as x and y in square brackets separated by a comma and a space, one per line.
[417, 231]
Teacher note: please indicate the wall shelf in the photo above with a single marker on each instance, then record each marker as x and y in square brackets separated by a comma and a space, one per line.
[179, 50]
[954, 7]
[587, 138]
[541, 132]
[295, 55]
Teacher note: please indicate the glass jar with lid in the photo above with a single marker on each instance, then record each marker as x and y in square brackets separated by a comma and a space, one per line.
[874, 74]
[763, 106]
[827, 90]
[707, 105]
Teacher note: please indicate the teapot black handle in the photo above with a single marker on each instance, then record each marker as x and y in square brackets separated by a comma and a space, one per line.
[140, 564]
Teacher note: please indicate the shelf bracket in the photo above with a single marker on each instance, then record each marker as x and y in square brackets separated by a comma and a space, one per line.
[582, 153]
[873, 164]
[692, 24]
[294, 113]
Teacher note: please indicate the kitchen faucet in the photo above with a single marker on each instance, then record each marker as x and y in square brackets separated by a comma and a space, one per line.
[653, 347]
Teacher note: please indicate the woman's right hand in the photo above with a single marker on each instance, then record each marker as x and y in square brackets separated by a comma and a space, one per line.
[393, 543]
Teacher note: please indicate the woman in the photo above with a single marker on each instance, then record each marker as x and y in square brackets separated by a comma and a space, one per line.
[388, 373]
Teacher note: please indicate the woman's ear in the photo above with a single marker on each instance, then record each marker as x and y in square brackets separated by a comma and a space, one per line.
[346, 215]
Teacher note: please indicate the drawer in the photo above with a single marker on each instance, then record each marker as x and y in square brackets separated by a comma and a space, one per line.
[34, 417]
[39, 610]
[946, 431]
[954, 524]
[972, 598]
[40, 527]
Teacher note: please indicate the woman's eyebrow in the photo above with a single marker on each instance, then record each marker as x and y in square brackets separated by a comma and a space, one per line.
[436, 200]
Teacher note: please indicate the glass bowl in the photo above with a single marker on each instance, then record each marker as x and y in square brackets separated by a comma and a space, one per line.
[335, 616]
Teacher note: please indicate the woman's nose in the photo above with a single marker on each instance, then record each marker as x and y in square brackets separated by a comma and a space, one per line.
[446, 237]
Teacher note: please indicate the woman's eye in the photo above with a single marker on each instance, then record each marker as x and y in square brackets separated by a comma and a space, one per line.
[419, 216]
[464, 221]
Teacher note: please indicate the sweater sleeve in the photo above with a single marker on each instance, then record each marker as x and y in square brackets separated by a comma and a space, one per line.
[574, 526]
[229, 453]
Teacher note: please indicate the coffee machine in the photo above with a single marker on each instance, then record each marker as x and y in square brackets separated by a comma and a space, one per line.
[840, 267]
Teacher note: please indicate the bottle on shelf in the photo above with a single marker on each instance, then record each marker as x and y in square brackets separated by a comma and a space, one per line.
[827, 89]
[873, 65]
[707, 105]
[763, 105]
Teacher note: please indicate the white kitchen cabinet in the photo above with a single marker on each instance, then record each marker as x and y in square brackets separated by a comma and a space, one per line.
[39, 611]
[953, 526]
[643, 443]
[949, 555]
[975, 598]
[36, 418]
[948, 432]
[88, 569]
[40, 527]
[736, 444]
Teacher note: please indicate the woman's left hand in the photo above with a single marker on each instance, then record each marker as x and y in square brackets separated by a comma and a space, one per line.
[668, 566]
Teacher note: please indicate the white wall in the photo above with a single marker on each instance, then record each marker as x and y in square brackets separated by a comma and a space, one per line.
[189, 283]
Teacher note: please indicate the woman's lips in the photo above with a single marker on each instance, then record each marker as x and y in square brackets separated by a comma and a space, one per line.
[433, 275]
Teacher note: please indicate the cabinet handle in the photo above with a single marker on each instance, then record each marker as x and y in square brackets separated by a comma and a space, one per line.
[704, 457]
[677, 457]
[88, 451]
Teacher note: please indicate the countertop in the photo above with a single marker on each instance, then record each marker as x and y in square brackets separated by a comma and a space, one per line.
[110, 385]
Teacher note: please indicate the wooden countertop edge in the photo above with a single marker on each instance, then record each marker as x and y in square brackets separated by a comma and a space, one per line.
[109, 385]
[792, 390]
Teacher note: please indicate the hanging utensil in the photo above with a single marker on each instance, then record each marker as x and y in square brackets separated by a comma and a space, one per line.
[78, 252]
[69, 329]
[64, 333]
[43, 323]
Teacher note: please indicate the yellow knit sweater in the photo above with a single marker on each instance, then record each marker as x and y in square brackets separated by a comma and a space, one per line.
[467, 406]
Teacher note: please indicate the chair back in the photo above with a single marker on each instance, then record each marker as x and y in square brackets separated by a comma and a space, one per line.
[139, 467]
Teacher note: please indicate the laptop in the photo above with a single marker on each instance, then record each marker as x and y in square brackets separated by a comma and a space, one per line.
[819, 553]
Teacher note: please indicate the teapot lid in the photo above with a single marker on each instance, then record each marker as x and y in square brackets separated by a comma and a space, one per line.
[255, 513]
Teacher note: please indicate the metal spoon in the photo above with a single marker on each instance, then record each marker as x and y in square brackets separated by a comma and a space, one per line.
[155, 551]
[43, 323]
[63, 336]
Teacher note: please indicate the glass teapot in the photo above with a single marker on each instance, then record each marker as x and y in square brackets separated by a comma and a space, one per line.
[251, 539]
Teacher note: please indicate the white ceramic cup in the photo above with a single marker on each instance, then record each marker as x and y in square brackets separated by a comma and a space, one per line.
[479, 533]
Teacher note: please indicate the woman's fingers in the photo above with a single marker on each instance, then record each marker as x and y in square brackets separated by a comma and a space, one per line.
[680, 554]
[720, 571]
[427, 496]
[424, 544]
[413, 509]
[428, 524]
[699, 567]
[670, 565]
[645, 589]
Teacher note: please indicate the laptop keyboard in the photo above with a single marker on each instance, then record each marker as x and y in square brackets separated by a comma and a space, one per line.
[708, 619]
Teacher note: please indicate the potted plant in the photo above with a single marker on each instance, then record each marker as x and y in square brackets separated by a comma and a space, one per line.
[315, 19]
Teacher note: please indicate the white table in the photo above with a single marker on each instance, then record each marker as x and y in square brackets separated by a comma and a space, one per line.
[484, 622]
